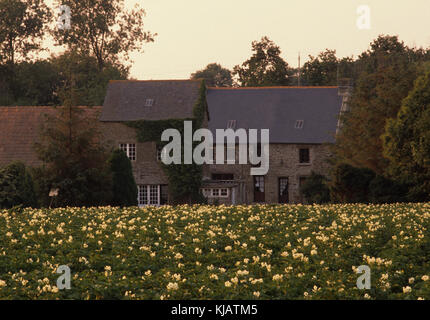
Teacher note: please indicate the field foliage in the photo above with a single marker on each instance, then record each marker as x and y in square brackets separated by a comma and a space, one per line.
[210, 252]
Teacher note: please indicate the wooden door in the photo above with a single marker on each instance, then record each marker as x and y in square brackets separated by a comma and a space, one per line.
[259, 194]
[283, 190]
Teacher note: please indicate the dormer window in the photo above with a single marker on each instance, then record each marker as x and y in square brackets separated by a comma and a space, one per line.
[231, 124]
[149, 102]
[299, 124]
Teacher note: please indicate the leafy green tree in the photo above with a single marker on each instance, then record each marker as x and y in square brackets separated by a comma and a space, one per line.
[264, 68]
[387, 78]
[75, 160]
[124, 188]
[22, 27]
[214, 75]
[385, 51]
[35, 84]
[103, 29]
[407, 141]
[321, 70]
[89, 82]
[39, 82]
[6, 94]
[16, 186]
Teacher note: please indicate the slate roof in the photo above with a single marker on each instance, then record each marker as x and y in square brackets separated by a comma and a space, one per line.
[125, 100]
[278, 109]
[19, 130]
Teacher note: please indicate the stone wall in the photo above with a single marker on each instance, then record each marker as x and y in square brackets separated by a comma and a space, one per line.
[146, 168]
[284, 163]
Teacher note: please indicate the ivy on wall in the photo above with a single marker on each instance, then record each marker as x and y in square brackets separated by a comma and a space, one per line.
[184, 179]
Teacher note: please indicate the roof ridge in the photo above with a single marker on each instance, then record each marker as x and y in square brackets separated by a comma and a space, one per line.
[274, 87]
[23, 107]
[171, 80]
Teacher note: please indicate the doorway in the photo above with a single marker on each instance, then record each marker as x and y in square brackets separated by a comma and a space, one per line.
[283, 190]
[259, 194]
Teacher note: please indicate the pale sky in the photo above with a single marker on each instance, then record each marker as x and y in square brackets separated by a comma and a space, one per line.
[194, 33]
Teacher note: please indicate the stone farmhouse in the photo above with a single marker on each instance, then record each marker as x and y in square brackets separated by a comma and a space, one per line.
[303, 122]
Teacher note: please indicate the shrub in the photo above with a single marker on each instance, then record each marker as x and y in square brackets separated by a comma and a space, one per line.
[350, 184]
[315, 189]
[16, 186]
[124, 188]
[384, 190]
[42, 186]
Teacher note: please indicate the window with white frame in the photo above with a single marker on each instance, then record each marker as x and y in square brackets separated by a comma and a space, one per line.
[223, 192]
[206, 192]
[152, 195]
[215, 192]
[129, 149]
[142, 199]
[159, 151]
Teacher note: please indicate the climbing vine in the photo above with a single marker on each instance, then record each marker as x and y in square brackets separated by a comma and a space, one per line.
[184, 179]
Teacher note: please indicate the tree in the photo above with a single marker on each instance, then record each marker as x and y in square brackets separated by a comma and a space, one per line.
[327, 70]
[22, 27]
[35, 84]
[16, 186]
[264, 68]
[214, 75]
[384, 51]
[6, 94]
[90, 83]
[321, 70]
[407, 141]
[103, 29]
[387, 78]
[75, 160]
[124, 189]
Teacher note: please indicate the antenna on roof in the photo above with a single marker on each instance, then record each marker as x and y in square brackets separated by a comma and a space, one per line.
[337, 73]
[298, 78]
